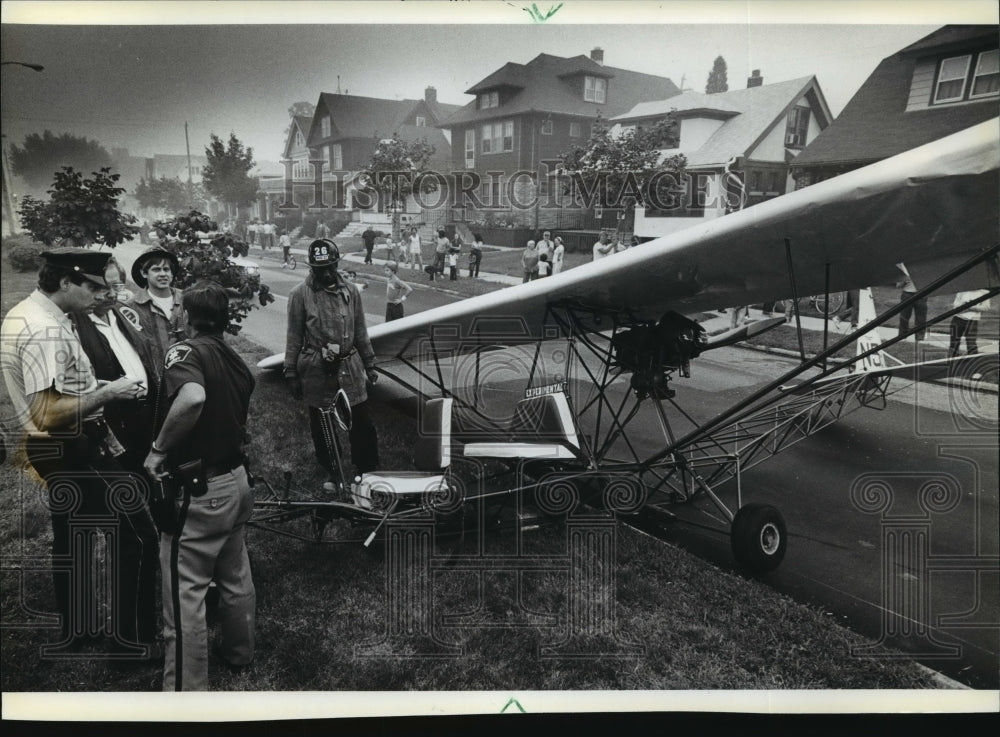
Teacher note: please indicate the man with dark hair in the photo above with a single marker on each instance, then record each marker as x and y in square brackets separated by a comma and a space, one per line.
[59, 402]
[327, 349]
[201, 443]
[158, 302]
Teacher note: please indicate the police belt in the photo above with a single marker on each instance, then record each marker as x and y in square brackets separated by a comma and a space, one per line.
[218, 469]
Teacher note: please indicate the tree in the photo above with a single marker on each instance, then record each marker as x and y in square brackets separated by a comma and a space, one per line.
[300, 108]
[85, 210]
[629, 169]
[717, 80]
[203, 253]
[43, 155]
[170, 195]
[227, 173]
[396, 171]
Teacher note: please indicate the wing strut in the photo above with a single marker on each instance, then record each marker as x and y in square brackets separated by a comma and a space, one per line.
[741, 407]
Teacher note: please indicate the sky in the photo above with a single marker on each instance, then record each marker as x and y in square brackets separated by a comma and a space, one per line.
[132, 74]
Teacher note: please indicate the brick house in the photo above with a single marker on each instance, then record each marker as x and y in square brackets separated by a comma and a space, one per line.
[508, 139]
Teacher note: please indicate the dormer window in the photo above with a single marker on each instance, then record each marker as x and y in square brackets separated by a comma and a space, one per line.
[968, 76]
[986, 79]
[324, 126]
[421, 121]
[489, 99]
[594, 89]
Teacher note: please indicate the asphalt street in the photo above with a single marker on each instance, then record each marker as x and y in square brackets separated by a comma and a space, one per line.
[892, 514]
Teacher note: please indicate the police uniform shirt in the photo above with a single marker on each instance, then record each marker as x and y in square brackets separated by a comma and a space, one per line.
[41, 352]
[209, 362]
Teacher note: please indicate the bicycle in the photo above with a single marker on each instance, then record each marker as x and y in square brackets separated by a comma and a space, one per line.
[819, 302]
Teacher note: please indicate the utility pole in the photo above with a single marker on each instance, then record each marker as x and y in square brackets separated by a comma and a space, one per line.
[187, 144]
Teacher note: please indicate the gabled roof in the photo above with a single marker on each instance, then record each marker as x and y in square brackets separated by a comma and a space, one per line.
[545, 84]
[875, 125]
[354, 116]
[949, 37]
[299, 123]
[749, 115]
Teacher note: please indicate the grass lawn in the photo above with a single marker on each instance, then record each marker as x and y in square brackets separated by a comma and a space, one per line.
[323, 612]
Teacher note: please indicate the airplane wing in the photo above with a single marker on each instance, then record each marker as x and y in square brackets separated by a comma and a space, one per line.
[931, 207]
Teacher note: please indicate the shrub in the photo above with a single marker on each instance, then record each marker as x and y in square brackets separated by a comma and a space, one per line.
[23, 254]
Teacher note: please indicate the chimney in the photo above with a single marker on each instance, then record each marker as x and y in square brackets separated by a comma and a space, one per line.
[755, 80]
[430, 94]
[597, 55]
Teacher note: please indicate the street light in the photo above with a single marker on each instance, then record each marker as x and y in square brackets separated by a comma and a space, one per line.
[36, 67]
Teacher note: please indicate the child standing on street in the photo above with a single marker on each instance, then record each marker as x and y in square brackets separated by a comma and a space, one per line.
[396, 291]
[285, 241]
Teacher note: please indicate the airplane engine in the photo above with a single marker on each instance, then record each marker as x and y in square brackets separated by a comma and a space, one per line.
[652, 352]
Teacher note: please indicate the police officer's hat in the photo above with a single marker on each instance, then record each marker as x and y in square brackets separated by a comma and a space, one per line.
[89, 264]
[323, 252]
[156, 252]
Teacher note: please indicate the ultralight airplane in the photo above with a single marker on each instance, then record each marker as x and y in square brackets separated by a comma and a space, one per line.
[599, 347]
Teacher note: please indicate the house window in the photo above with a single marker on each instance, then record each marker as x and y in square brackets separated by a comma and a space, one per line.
[547, 128]
[326, 158]
[951, 79]
[489, 99]
[986, 79]
[337, 156]
[574, 130]
[421, 121]
[497, 137]
[755, 185]
[470, 148]
[594, 88]
[299, 140]
[324, 126]
[798, 127]
[491, 193]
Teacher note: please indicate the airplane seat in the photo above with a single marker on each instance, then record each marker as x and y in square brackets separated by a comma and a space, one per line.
[542, 428]
[432, 451]
[431, 457]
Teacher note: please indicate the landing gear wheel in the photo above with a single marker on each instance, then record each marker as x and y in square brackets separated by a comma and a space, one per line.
[758, 538]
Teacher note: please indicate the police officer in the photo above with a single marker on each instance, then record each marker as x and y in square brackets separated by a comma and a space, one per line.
[60, 401]
[201, 445]
[327, 349]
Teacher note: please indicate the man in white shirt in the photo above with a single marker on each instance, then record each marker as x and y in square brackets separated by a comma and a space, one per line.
[966, 324]
[60, 404]
[545, 245]
[603, 247]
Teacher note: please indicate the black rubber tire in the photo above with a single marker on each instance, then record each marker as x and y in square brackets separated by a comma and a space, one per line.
[759, 538]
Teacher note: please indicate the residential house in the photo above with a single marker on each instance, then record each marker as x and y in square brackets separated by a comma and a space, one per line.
[342, 136]
[508, 140]
[738, 146]
[945, 82]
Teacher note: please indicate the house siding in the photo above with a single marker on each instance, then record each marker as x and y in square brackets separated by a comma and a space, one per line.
[922, 85]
